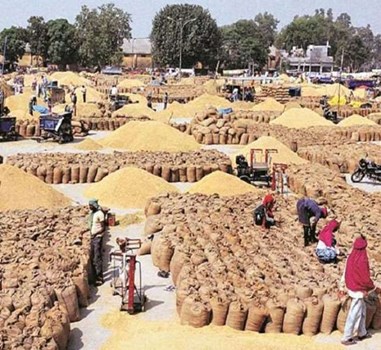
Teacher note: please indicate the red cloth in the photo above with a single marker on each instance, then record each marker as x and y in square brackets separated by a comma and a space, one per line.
[357, 272]
[324, 212]
[326, 234]
[268, 202]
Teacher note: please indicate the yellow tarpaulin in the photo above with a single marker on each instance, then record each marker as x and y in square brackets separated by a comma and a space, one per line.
[336, 101]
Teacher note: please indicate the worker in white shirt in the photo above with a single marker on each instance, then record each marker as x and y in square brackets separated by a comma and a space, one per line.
[97, 228]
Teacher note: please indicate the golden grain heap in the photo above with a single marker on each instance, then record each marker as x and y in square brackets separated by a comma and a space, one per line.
[301, 118]
[356, 119]
[150, 136]
[89, 145]
[130, 83]
[284, 154]
[223, 184]
[128, 188]
[19, 190]
[270, 105]
[69, 78]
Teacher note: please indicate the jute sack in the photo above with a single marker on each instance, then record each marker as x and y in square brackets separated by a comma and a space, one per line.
[293, 319]
[194, 313]
[220, 308]
[83, 290]
[167, 251]
[237, 315]
[177, 262]
[314, 313]
[376, 322]
[331, 310]
[343, 313]
[256, 318]
[276, 315]
[152, 225]
[67, 297]
[371, 308]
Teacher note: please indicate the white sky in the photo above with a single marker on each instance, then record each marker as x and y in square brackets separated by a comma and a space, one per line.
[16, 12]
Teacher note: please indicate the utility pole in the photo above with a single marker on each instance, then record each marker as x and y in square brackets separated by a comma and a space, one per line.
[182, 25]
[4, 52]
[341, 70]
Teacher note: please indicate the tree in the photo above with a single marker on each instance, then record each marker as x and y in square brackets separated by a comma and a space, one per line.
[62, 44]
[16, 41]
[200, 41]
[267, 25]
[244, 43]
[38, 36]
[100, 34]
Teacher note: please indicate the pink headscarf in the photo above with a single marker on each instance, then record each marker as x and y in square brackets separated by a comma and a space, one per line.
[357, 272]
[326, 234]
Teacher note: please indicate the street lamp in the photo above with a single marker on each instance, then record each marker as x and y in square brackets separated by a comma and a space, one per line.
[182, 25]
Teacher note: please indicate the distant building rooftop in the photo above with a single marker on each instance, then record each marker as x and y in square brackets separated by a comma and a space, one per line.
[137, 46]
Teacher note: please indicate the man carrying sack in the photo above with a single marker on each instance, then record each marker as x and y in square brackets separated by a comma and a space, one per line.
[97, 227]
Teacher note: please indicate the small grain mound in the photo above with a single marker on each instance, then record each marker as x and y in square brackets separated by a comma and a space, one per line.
[134, 110]
[270, 104]
[137, 98]
[150, 136]
[199, 103]
[129, 219]
[128, 188]
[92, 95]
[88, 110]
[310, 91]
[284, 155]
[89, 145]
[21, 114]
[20, 102]
[335, 90]
[19, 190]
[130, 83]
[360, 93]
[292, 104]
[222, 184]
[356, 119]
[301, 118]
[69, 78]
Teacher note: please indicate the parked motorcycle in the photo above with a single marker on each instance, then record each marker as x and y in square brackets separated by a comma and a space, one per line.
[368, 169]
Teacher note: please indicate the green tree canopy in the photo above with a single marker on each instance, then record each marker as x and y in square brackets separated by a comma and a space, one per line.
[357, 44]
[267, 26]
[200, 41]
[100, 34]
[62, 44]
[38, 36]
[244, 42]
[16, 41]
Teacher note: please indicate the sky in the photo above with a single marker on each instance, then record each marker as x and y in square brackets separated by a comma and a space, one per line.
[16, 12]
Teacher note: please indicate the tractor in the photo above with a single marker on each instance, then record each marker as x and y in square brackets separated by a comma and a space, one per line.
[258, 172]
[57, 127]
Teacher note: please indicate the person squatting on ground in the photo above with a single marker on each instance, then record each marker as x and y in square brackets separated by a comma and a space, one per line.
[263, 214]
[309, 210]
[97, 227]
[357, 280]
[326, 249]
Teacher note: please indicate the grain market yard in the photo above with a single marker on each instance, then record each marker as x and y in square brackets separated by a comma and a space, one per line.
[103, 326]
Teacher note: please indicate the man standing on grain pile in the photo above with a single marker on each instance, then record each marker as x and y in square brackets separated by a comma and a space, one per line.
[309, 213]
[97, 227]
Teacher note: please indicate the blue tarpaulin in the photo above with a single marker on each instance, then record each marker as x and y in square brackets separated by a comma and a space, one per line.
[41, 109]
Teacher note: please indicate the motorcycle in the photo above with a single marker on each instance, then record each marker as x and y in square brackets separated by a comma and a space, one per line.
[366, 168]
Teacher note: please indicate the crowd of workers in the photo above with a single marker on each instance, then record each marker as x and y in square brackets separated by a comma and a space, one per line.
[356, 280]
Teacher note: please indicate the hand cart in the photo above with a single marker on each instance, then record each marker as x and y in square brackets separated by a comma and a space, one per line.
[127, 276]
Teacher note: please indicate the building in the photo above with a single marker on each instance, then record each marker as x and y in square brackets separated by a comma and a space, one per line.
[316, 59]
[137, 53]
